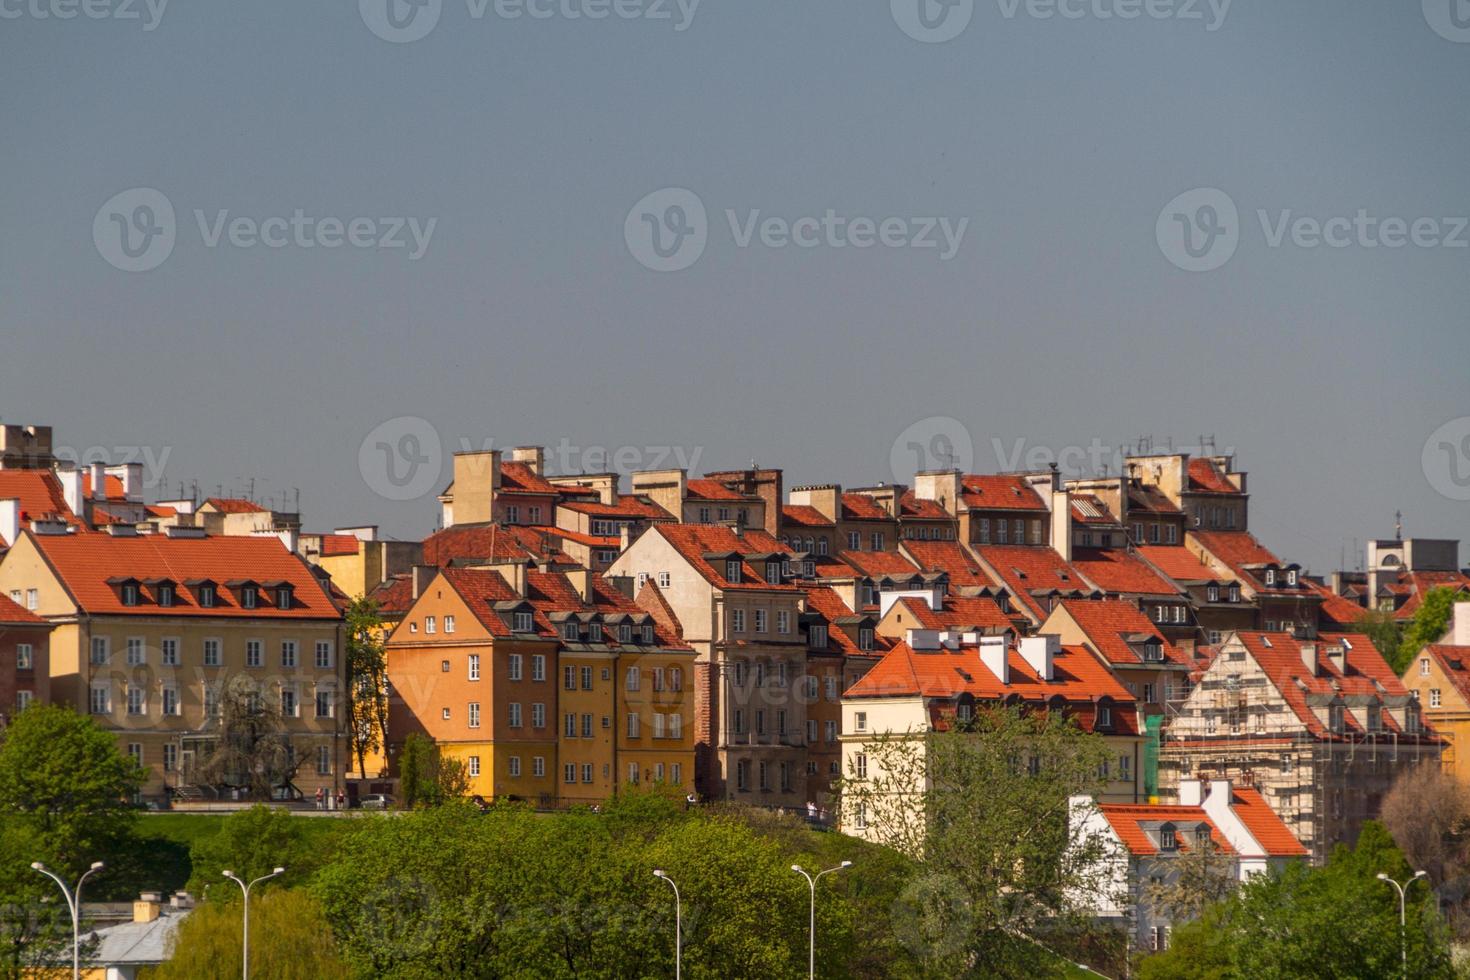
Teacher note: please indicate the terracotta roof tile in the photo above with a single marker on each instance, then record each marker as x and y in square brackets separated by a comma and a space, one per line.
[1117, 571]
[1179, 563]
[803, 515]
[1206, 477]
[1128, 820]
[1275, 838]
[1028, 569]
[999, 492]
[876, 564]
[14, 614]
[1109, 623]
[949, 557]
[232, 505]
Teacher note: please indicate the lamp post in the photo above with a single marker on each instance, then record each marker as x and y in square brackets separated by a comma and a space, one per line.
[678, 924]
[245, 945]
[1402, 890]
[74, 905]
[811, 881]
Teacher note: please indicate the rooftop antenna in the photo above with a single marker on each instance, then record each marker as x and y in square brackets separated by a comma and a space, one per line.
[1398, 525]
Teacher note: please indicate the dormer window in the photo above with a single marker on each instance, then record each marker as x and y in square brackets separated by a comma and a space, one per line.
[1235, 593]
[625, 633]
[773, 572]
[524, 621]
[1202, 837]
[165, 595]
[1212, 593]
[1374, 718]
[569, 631]
[817, 636]
[1291, 577]
[1104, 716]
[1153, 651]
[865, 638]
[247, 597]
[1335, 719]
[647, 632]
[1168, 840]
[283, 597]
[130, 593]
[1270, 576]
[732, 569]
[206, 596]
[594, 632]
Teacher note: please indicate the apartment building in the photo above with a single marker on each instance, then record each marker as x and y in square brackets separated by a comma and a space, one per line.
[1280, 594]
[1439, 680]
[1209, 490]
[25, 655]
[547, 682]
[151, 630]
[731, 591]
[932, 679]
[730, 499]
[1321, 727]
[1218, 604]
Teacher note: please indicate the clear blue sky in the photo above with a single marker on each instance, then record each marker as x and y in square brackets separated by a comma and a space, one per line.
[1058, 321]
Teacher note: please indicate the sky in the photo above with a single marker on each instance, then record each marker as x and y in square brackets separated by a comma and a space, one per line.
[323, 246]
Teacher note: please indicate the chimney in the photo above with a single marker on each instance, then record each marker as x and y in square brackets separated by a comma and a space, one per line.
[9, 520]
[514, 573]
[827, 499]
[1309, 658]
[993, 656]
[99, 481]
[1190, 791]
[1040, 652]
[922, 639]
[131, 475]
[1460, 624]
[581, 579]
[183, 531]
[625, 537]
[290, 538]
[71, 488]
[476, 478]
[146, 908]
[1337, 653]
[422, 576]
[942, 486]
[533, 456]
[1061, 523]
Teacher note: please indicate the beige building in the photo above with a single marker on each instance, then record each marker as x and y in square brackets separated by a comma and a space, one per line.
[151, 630]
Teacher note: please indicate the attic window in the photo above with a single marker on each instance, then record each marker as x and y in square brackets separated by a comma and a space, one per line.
[1153, 651]
[1270, 576]
[206, 596]
[773, 572]
[283, 597]
[594, 632]
[1202, 836]
[1168, 840]
[1104, 717]
[1212, 593]
[130, 593]
[625, 633]
[1235, 593]
[648, 633]
[247, 597]
[569, 631]
[165, 595]
[1291, 577]
[732, 569]
[523, 622]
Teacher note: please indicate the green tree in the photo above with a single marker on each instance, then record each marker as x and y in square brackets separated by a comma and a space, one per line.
[252, 750]
[1380, 626]
[367, 680]
[1201, 876]
[426, 777]
[1338, 920]
[1430, 621]
[252, 843]
[289, 938]
[1002, 859]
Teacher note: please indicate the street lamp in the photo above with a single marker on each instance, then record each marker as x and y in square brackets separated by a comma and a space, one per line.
[1402, 889]
[74, 904]
[245, 946]
[678, 924]
[811, 881]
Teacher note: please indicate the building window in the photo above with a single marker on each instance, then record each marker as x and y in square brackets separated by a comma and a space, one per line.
[513, 713]
[634, 679]
[1424, 667]
[288, 701]
[538, 667]
[538, 766]
[538, 714]
[514, 667]
[586, 726]
[429, 624]
[449, 624]
[1434, 700]
[515, 765]
[474, 666]
[101, 701]
[101, 650]
[648, 633]
[129, 594]
[136, 656]
[1104, 716]
[24, 659]
[211, 701]
[632, 724]
[323, 654]
[586, 772]
[473, 709]
[737, 620]
[664, 580]
[860, 721]
[247, 597]
[444, 666]
[817, 636]
[170, 700]
[33, 599]
[571, 725]
[523, 622]
[170, 757]
[169, 651]
[254, 653]
[137, 703]
[760, 620]
[324, 703]
[1168, 841]
[288, 653]
[865, 638]
[324, 761]
[586, 678]
[594, 632]
[569, 772]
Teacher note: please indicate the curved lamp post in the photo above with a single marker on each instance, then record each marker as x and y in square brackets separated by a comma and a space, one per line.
[811, 881]
[74, 904]
[678, 924]
[1402, 890]
[245, 945]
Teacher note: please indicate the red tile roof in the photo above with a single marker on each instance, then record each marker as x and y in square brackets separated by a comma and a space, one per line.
[1275, 838]
[961, 613]
[1179, 563]
[14, 614]
[339, 544]
[1337, 609]
[233, 505]
[520, 478]
[861, 507]
[632, 508]
[694, 541]
[949, 557]
[1206, 477]
[85, 562]
[1419, 584]
[1027, 569]
[827, 602]
[1150, 499]
[1089, 509]
[914, 507]
[1128, 820]
[705, 489]
[112, 486]
[1003, 492]
[489, 542]
[876, 564]
[1455, 662]
[39, 493]
[803, 515]
[1108, 623]
[1079, 678]
[1240, 551]
[1117, 571]
[393, 595]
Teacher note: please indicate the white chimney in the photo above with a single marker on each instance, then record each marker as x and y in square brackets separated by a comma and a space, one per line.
[9, 520]
[1190, 791]
[1217, 807]
[993, 656]
[290, 538]
[1061, 523]
[1040, 652]
[1460, 630]
[99, 481]
[922, 639]
[1309, 658]
[131, 475]
[71, 488]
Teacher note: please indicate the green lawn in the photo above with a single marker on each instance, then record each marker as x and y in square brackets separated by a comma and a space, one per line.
[165, 839]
